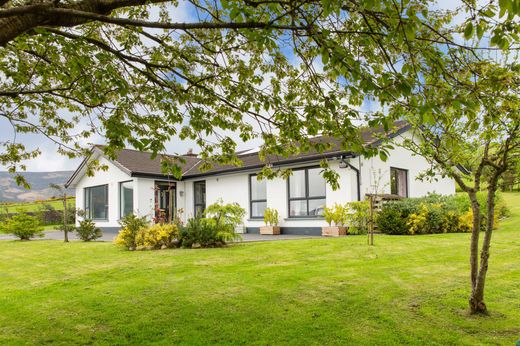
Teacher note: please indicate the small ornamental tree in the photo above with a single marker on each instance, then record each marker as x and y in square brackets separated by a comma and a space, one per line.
[226, 218]
[65, 227]
[478, 124]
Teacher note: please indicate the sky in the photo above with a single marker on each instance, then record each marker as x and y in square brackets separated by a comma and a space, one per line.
[50, 160]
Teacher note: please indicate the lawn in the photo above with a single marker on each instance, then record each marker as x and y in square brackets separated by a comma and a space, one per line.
[405, 290]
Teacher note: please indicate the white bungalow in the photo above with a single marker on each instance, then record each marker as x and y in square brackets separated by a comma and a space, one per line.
[135, 183]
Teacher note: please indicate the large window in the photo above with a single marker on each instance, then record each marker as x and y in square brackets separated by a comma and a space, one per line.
[96, 202]
[126, 198]
[399, 182]
[306, 193]
[200, 196]
[257, 197]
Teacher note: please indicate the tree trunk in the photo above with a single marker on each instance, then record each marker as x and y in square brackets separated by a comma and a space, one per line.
[475, 208]
[65, 220]
[476, 301]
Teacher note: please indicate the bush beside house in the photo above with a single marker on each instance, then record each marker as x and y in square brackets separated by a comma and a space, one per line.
[433, 214]
[214, 229]
[87, 230]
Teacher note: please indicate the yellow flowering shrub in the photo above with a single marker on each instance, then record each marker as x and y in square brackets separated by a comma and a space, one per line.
[466, 221]
[417, 221]
[125, 238]
[157, 235]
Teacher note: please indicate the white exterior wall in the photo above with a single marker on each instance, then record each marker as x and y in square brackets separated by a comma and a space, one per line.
[375, 172]
[144, 198]
[234, 188]
[111, 177]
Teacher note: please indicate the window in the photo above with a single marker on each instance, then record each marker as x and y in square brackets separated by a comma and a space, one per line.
[306, 193]
[257, 197]
[199, 188]
[96, 202]
[399, 182]
[126, 198]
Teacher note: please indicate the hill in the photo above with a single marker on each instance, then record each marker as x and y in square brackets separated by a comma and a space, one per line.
[39, 181]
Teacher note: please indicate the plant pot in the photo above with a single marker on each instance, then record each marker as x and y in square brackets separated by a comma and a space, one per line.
[270, 230]
[333, 231]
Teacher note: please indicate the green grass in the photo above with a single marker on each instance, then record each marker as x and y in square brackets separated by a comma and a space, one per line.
[34, 206]
[405, 290]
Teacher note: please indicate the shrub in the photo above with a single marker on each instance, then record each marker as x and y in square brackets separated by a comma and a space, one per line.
[214, 230]
[358, 217]
[157, 236]
[131, 224]
[87, 230]
[466, 221]
[337, 214]
[200, 232]
[390, 221]
[226, 216]
[434, 214]
[22, 226]
[271, 217]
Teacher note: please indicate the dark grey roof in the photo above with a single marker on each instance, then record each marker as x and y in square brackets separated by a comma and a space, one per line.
[138, 163]
[370, 136]
[141, 163]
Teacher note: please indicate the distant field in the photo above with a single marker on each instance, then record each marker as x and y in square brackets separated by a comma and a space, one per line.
[34, 206]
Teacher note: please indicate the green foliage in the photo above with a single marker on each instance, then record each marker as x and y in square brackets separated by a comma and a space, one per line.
[200, 232]
[215, 229]
[338, 214]
[156, 236]
[358, 217]
[227, 216]
[87, 230]
[73, 75]
[434, 214]
[390, 221]
[22, 226]
[131, 224]
[271, 217]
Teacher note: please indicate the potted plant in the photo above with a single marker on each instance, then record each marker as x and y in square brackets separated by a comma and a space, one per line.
[336, 215]
[271, 222]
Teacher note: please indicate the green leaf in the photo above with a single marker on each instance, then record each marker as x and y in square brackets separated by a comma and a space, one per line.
[468, 30]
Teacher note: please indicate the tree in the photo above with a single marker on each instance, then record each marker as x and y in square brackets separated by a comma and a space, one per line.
[130, 72]
[65, 227]
[477, 123]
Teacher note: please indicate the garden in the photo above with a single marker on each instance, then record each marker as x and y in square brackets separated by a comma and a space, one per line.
[405, 290]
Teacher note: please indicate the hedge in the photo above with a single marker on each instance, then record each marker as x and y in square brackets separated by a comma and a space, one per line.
[434, 214]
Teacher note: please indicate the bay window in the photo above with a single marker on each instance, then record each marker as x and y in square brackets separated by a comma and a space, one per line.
[126, 198]
[96, 202]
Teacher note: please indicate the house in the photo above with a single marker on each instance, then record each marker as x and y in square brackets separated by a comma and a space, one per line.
[135, 183]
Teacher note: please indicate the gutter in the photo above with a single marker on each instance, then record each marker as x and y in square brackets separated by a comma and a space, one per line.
[358, 180]
[309, 159]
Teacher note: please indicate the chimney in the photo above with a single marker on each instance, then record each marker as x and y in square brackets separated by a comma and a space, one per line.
[190, 153]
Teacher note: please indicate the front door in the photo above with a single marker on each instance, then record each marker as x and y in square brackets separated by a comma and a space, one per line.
[165, 202]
